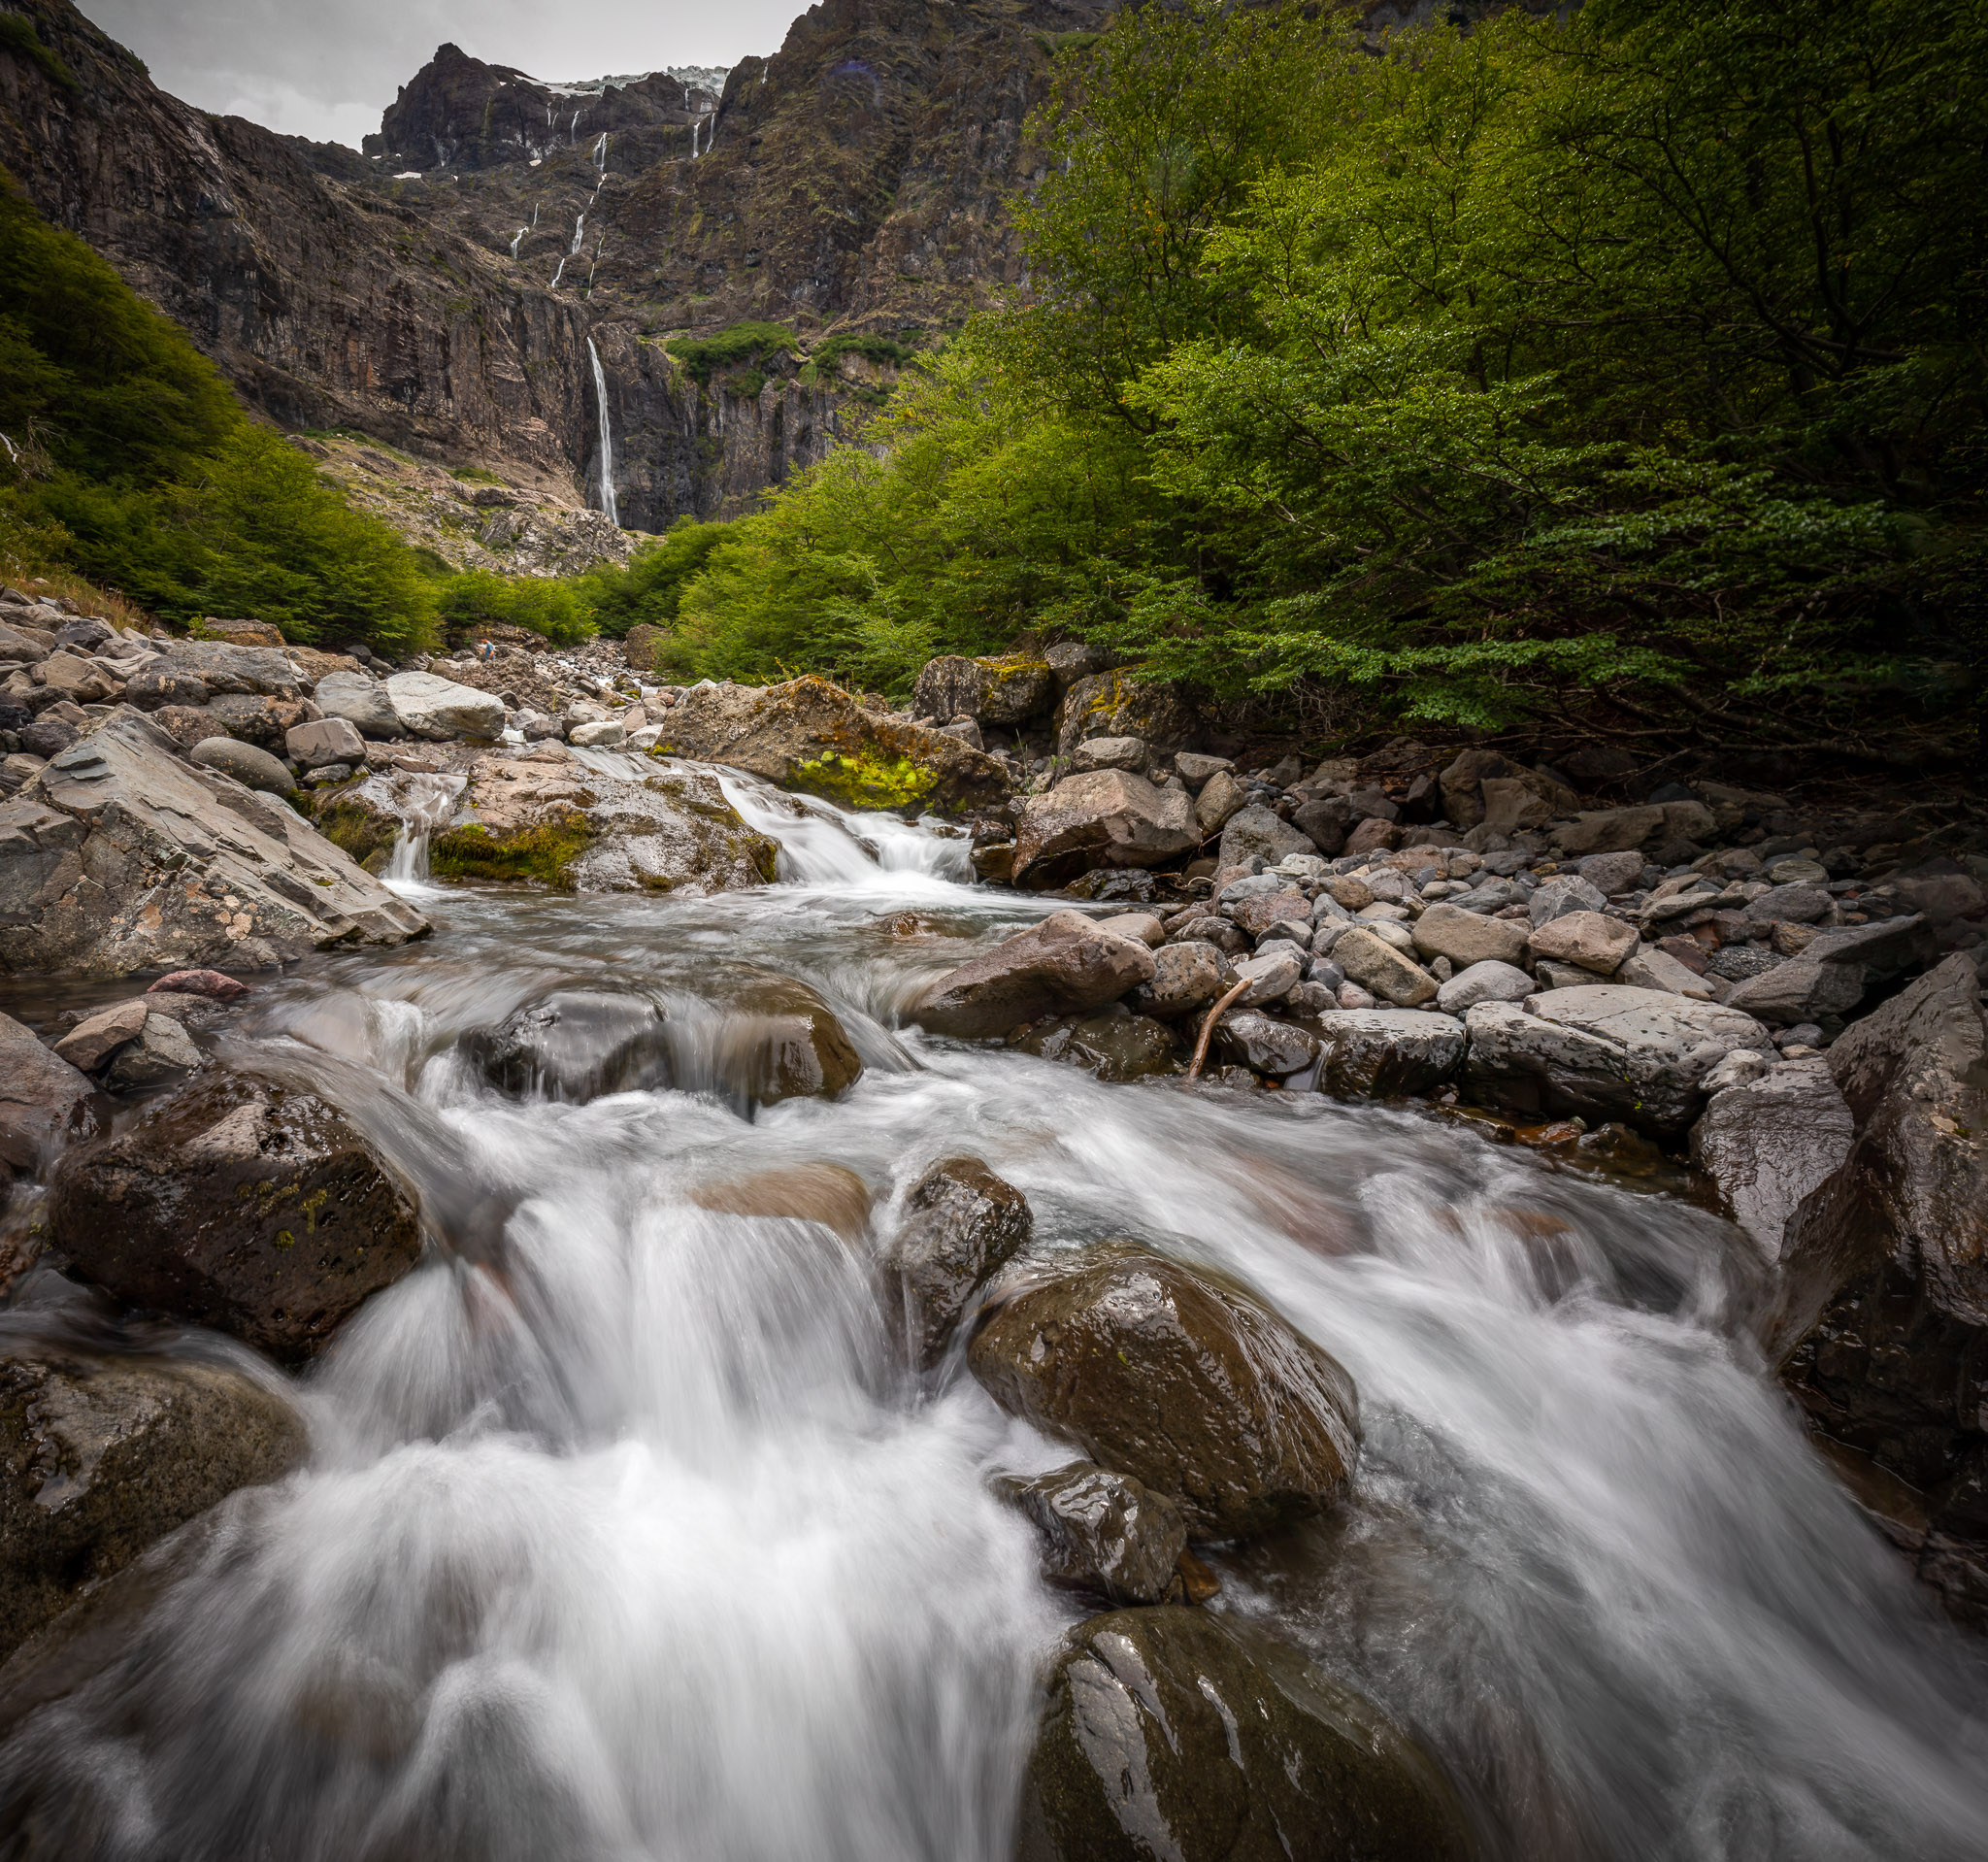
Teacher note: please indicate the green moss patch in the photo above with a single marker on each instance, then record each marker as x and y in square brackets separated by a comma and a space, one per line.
[362, 833]
[541, 855]
[866, 780]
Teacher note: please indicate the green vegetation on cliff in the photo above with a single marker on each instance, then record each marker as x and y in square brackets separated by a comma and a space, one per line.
[1643, 351]
[126, 459]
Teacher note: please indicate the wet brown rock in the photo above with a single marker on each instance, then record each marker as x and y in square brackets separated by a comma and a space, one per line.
[1178, 1733]
[1114, 1044]
[1101, 1531]
[960, 1223]
[1191, 1386]
[1065, 965]
[777, 1040]
[574, 1046]
[1380, 1052]
[1275, 1049]
[249, 1208]
[1766, 1144]
[838, 1199]
[101, 1456]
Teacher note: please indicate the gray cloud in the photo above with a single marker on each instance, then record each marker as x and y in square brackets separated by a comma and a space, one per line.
[326, 68]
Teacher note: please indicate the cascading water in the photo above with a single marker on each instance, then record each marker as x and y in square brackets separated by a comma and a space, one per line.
[517, 239]
[423, 801]
[608, 504]
[579, 233]
[558, 271]
[600, 155]
[623, 1535]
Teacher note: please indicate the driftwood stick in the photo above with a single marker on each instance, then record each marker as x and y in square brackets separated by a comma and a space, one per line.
[1208, 1028]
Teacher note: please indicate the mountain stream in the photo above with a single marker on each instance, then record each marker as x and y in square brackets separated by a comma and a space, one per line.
[623, 1536]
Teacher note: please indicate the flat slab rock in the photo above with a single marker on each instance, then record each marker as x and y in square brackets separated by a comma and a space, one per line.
[1604, 1050]
[120, 856]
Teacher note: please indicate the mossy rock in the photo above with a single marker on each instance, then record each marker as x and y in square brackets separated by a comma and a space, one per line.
[867, 780]
[363, 834]
[541, 855]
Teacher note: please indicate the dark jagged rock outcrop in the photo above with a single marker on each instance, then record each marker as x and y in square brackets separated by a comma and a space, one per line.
[856, 178]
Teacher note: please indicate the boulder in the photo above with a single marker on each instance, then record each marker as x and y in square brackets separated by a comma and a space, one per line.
[1461, 786]
[1128, 753]
[812, 736]
[1564, 893]
[1467, 938]
[1372, 836]
[542, 817]
[44, 1102]
[1489, 982]
[1221, 797]
[1612, 873]
[1274, 1050]
[1183, 1734]
[1254, 832]
[1146, 926]
[1186, 977]
[1114, 1042]
[1270, 973]
[118, 856]
[167, 685]
[574, 1045]
[1799, 904]
[1108, 817]
[1195, 769]
[774, 1039]
[1615, 830]
[326, 741]
[99, 1456]
[1188, 1384]
[1064, 965]
[1655, 968]
[253, 1209]
[827, 1194]
[604, 735]
[433, 707]
[252, 768]
[262, 721]
[1006, 692]
[361, 700]
[1101, 1531]
[959, 1223]
[1586, 939]
[240, 633]
[1604, 1051]
[132, 1045]
[1381, 1053]
[1829, 976]
[1878, 1311]
[200, 982]
[1260, 910]
[72, 676]
[1325, 821]
[1376, 966]
[1116, 703]
[1768, 1143]
[265, 672]
[23, 646]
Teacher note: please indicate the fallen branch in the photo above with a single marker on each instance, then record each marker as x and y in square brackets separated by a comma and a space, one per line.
[1208, 1028]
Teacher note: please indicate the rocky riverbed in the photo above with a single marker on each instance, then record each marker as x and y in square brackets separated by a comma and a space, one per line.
[601, 1268]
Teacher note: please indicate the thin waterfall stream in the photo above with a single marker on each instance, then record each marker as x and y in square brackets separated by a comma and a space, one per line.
[625, 1534]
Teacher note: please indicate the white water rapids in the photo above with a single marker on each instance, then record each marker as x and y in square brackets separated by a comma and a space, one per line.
[623, 1539]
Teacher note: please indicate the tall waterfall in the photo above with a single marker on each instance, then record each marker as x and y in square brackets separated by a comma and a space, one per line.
[607, 504]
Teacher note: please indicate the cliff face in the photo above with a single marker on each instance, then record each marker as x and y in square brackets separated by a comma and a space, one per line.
[439, 291]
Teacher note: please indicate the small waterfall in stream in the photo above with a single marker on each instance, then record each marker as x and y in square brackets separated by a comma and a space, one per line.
[608, 504]
[423, 801]
[625, 1538]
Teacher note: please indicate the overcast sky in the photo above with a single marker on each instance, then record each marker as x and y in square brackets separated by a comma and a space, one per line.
[327, 68]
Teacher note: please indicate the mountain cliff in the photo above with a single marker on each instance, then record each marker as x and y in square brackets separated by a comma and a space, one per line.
[448, 290]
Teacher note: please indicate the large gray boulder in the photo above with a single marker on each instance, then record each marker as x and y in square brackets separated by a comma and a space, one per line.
[1008, 690]
[1606, 1051]
[251, 766]
[1180, 1732]
[360, 699]
[1065, 965]
[1105, 817]
[1833, 973]
[266, 671]
[324, 741]
[431, 706]
[1116, 703]
[99, 1456]
[119, 857]
[1466, 938]
[1255, 832]
[1377, 1053]
[1768, 1143]
[1374, 964]
[1187, 1384]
